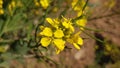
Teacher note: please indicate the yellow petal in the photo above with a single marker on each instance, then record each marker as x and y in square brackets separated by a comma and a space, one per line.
[45, 41]
[80, 41]
[71, 29]
[58, 51]
[58, 33]
[44, 3]
[77, 5]
[75, 37]
[50, 21]
[76, 46]
[65, 24]
[81, 22]
[59, 43]
[79, 13]
[47, 32]
[54, 22]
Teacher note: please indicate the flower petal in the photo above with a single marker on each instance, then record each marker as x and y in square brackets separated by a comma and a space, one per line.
[80, 41]
[57, 51]
[53, 23]
[81, 23]
[76, 46]
[50, 21]
[45, 41]
[58, 33]
[59, 43]
[47, 32]
[44, 3]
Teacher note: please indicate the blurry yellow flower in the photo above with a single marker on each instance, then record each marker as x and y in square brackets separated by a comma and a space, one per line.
[80, 41]
[44, 3]
[79, 13]
[53, 22]
[1, 2]
[45, 41]
[60, 44]
[81, 22]
[11, 6]
[3, 48]
[13, 3]
[76, 40]
[68, 25]
[1, 7]
[77, 5]
[47, 32]
[108, 47]
[36, 3]
[1, 11]
[58, 33]
[55, 9]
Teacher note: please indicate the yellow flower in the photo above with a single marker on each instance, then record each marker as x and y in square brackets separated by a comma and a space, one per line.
[60, 44]
[80, 41]
[36, 3]
[54, 22]
[76, 40]
[44, 3]
[108, 47]
[79, 13]
[68, 25]
[47, 32]
[11, 6]
[45, 41]
[3, 48]
[77, 5]
[81, 22]
[1, 7]
[58, 33]
[1, 2]
[55, 9]
[1, 11]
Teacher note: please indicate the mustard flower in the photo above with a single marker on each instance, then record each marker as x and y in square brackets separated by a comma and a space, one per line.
[77, 5]
[11, 6]
[52, 37]
[1, 7]
[44, 3]
[36, 3]
[53, 22]
[1, 11]
[76, 40]
[81, 23]
[57, 32]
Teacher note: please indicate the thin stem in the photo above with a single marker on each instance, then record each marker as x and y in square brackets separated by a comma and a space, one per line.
[92, 37]
[104, 16]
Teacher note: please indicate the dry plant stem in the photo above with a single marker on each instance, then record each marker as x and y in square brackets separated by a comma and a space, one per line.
[104, 16]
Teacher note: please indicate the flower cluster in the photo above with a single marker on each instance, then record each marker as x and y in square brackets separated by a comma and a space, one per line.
[42, 3]
[1, 7]
[59, 32]
[78, 5]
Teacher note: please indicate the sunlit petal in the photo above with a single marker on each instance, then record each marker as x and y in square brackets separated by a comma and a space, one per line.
[45, 41]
